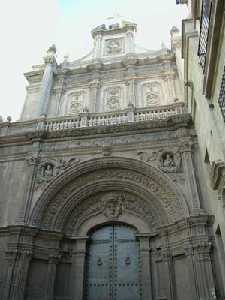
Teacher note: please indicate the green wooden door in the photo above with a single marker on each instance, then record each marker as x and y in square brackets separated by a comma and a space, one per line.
[113, 265]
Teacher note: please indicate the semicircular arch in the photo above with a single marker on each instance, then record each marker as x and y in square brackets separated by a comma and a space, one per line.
[67, 191]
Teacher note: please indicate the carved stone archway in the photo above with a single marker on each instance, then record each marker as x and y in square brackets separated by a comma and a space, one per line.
[174, 244]
[80, 182]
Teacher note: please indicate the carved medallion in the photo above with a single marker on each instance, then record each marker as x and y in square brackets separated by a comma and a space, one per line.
[113, 46]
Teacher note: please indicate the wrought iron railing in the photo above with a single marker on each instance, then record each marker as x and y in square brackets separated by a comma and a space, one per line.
[204, 32]
[221, 99]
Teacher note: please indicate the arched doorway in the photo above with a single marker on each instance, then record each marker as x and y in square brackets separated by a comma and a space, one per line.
[113, 264]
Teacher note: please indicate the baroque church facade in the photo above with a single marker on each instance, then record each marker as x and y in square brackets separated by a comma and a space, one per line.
[101, 187]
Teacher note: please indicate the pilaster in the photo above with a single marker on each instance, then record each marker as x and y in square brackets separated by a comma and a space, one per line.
[146, 285]
[52, 264]
[78, 269]
[192, 189]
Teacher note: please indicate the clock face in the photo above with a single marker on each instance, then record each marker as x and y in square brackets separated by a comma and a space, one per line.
[114, 46]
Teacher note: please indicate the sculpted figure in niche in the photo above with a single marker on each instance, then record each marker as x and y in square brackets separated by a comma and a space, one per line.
[113, 98]
[113, 47]
[47, 170]
[152, 93]
[75, 104]
[168, 163]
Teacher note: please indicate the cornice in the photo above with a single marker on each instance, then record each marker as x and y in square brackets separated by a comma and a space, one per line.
[29, 136]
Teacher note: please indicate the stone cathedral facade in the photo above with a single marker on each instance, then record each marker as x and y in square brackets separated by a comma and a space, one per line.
[101, 189]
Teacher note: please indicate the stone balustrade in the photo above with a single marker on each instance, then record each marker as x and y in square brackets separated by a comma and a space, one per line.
[129, 115]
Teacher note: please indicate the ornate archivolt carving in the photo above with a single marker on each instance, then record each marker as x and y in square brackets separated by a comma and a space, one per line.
[152, 92]
[112, 206]
[62, 195]
[112, 98]
[114, 46]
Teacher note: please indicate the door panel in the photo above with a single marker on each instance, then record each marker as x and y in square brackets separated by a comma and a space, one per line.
[113, 265]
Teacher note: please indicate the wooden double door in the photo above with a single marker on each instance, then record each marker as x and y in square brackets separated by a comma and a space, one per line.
[113, 264]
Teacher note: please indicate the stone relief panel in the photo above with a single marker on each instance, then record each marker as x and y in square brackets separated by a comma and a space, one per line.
[114, 46]
[152, 93]
[166, 161]
[112, 98]
[74, 102]
[48, 169]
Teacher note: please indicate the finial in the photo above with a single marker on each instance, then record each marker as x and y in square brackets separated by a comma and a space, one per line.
[52, 49]
[50, 57]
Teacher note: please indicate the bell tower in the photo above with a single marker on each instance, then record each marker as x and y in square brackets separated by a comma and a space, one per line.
[114, 38]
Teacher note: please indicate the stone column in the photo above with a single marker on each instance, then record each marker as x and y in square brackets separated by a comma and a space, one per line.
[146, 284]
[78, 269]
[15, 283]
[47, 80]
[52, 263]
[190, 177]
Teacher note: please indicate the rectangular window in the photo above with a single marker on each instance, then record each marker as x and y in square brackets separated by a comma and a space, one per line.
[221, 99]
[204, 32]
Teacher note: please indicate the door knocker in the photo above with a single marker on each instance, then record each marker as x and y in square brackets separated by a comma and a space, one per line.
[99, 261]
[127, 261]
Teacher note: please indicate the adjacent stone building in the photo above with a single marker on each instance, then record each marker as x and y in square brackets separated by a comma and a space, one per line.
[102, 188]
[203, 52]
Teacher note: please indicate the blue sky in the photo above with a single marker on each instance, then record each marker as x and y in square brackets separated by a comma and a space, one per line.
[29, 27]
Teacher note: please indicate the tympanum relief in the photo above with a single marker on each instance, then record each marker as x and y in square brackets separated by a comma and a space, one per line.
[112, 206]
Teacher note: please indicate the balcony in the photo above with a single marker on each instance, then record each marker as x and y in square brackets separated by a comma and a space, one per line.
[130, 115]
